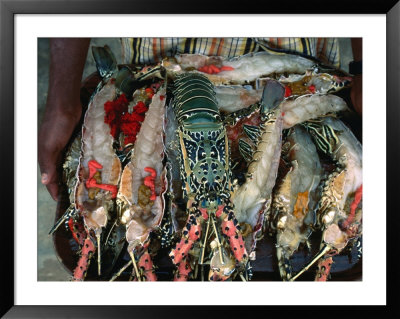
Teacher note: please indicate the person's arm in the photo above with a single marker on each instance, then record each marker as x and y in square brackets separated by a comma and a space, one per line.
[356, 90]
[63, 107]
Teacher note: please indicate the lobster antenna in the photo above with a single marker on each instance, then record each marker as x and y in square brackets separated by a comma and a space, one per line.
[203, 245]
[57, 224]
[322, 252]
[221, 257]
[121, 270]
[135, 266]
[109, 233]
[196, 270]
[98, 254]
[68, 213]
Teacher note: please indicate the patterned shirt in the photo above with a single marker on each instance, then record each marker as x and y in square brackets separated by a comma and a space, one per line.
[153, 50]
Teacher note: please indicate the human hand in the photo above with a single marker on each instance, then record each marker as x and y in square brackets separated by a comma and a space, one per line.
[63, 107]
[356, 93]
[54, 134]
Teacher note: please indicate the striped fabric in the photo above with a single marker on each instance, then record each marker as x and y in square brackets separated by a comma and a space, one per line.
[153, 50]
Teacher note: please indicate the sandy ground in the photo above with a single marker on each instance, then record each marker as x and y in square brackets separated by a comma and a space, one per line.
[49, 268]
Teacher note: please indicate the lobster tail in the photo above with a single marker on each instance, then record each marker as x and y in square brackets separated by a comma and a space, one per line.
[106, 63]
[195, 100]
[272, 96]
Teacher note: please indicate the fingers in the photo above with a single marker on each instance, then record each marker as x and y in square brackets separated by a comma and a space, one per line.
[49, 153]
[48, 166]
[52, 188]
[49, 178]
[54, 134]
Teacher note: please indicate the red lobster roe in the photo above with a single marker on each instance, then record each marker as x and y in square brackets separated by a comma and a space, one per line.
[353, 207]
[149, 92]
[91, 181]
[288, 91]
[311, 88]
[150, 180]
[121, 121]
[213, 69]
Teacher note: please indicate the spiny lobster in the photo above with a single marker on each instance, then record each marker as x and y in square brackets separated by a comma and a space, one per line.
[339, 208]
[206, 176]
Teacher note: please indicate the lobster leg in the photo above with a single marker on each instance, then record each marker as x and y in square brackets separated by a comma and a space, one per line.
[183, 270]
[231, 231]
[77, 230]
[145, 264]
[84, 261]
[191, 234]
[98, 253]
[285, 266]
[324, 250]
[135, 267]
[324, 268]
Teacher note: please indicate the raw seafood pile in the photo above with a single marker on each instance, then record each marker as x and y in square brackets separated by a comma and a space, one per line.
[182, 168]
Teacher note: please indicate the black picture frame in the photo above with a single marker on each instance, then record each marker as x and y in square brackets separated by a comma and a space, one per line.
[8, 10]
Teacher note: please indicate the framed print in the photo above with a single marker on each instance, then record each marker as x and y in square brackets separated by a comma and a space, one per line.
[209, 233]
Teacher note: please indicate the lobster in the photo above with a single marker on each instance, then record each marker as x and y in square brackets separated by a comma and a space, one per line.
[207, 178]
[205, 174]
[293, 206]
[339, 208]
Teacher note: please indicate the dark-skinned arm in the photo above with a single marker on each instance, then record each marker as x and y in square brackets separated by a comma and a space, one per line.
[356, 90]
[63, 106]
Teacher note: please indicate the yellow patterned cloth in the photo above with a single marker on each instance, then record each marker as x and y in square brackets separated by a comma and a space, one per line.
[153, 50]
